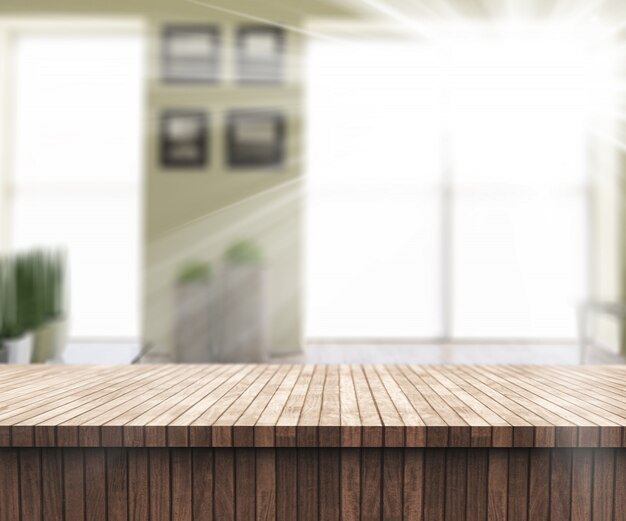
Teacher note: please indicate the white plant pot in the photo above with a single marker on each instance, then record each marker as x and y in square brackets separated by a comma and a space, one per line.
[19, 350]
[50, 340]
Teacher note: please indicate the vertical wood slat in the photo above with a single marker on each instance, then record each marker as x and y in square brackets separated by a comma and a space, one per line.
[538, 487]
[265, 486]
[330, 484]
[286, 484]
[52, 484]
[138, 485]
[371, 480]
[95, 484]
[202, 483]
[518, 485]
[456, 484]
[477, 480]
[245, 498]
[413, 500]
[369, 484]
[498, 485]
[350, 484]
[30, 484]
[9, 485]
[392, 484]
[73, 484]
[117, 484]
[182, 489]
[224, 485]
[582, 479]
[603, 485]
[159, 484]
[434, 484]
[560, 484]
[307, 484]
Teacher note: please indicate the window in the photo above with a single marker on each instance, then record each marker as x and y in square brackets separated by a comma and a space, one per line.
[76, 161]
[447, 185]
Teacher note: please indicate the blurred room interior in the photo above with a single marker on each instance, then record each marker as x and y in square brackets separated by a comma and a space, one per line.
[326, 181]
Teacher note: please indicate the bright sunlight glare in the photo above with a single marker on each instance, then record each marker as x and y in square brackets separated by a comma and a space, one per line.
[501, 117]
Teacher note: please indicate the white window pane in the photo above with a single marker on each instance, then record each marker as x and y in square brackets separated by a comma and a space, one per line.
[374, 165]
[519, 265]
[77, 167]
[373, 266]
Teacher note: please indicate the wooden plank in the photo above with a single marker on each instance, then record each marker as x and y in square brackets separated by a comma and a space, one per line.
[393, 475]
[202, 483]
[350, 484]
[349, 411]
[565, 430]
[286, 484]
[182, 484]
[265, 427]
[52, 484]
[538, 492]
[308, 478]
[471, 411]
[582, 476]
[200, 435]
[290, 415]
[222, 427]
[372, 430]
[413, 500]
[117, 484]
[620, 484]
[30, 484]
[95, 484]
[245, 472]
[519, 460]
[603, 484]
[308, 422]
[73, 484]
[148, 403]
[330, 419]
[218, 407]
[243, 429]
[330, 486]
[456, 484]
[224, 487]
[393, 423]
[9, 485]
[560, 484]
[159, 484]
[371, 481]
[151, 418]
[434, 484]
[498, 485]
[265, 484]
[138, 484]
[477, 484]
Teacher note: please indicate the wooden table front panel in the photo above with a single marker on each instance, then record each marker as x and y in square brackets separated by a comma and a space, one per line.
[311, 484]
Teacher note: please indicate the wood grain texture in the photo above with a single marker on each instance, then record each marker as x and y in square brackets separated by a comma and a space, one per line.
[268, 405]
[268, 484]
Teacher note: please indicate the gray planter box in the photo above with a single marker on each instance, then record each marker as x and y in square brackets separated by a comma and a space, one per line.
[196, 322]
[245, 325]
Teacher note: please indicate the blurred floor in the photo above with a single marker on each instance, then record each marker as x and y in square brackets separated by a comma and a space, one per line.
[327, 353]
[438, 354]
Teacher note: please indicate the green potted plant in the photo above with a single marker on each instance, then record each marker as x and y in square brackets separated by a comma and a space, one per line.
[245, 324]
[50, 302]
[196, 317]
[16, 308]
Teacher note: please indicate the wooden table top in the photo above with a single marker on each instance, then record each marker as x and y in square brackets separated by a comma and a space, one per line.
[270, 405]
